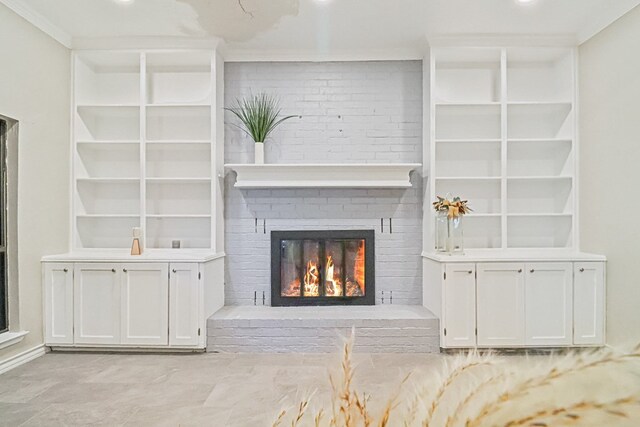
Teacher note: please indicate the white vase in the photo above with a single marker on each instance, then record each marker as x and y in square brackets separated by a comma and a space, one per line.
[259, 159]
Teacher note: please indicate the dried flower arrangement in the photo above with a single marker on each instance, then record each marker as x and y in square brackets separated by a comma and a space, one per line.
[589, 388]
[454, 207]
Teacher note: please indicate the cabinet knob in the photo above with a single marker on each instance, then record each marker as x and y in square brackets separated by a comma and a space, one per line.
[174, 271]
[66, 270]
[582, 270]
[124, 270]
[532, 271]
[470, 271]
[113, 270]
[520, 271]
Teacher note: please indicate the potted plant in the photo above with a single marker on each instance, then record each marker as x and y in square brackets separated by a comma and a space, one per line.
[259, 116]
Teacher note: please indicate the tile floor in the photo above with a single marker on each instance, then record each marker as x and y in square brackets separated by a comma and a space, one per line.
[191, 389]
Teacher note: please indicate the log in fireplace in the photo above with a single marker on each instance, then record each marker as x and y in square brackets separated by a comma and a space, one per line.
[332, 267]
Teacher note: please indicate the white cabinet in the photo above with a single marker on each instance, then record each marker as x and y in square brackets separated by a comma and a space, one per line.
[96, 288]
[145, 296]
[459, 305]
[589, 303]
[58, 303]
[548, 304]
[184, 324]
[500, 304]
[130, 304]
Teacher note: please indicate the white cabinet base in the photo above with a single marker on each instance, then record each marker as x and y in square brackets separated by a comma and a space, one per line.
[96, 289]
[547, 301]
[589, 303]
[500, 305]
[548, 304]
[58, 302]
[130, 303]
[184, 326]
[145, 304]
[459, 306]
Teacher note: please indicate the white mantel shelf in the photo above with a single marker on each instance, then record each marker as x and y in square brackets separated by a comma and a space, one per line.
[373, 175]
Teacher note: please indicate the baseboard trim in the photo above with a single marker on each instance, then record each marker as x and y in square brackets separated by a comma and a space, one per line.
[128, 350]
[22, 358]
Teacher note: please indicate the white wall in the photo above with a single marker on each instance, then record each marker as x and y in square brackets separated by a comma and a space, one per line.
[610, 166]
[34, 89]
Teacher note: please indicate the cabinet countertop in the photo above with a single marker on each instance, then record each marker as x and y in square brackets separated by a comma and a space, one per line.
[152, 255]
[514, 256]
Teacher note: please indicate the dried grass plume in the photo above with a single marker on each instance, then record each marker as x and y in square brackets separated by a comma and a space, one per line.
[581, 388]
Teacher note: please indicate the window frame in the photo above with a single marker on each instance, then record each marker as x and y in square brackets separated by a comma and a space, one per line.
[4, 255]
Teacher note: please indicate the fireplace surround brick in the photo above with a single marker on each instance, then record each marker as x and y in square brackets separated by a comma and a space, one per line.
[387, 329]
[352, 112]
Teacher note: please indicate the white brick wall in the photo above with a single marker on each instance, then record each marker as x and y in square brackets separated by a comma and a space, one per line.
[348, 112]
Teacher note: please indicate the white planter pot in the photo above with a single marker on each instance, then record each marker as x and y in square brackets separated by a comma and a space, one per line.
[259, 159]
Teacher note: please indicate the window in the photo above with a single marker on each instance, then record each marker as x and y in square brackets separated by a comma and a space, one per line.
[8, 224]
[4, 300]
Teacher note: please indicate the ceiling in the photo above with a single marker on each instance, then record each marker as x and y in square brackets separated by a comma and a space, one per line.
[318, 26]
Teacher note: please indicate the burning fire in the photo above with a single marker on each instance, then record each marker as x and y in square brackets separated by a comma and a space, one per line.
[312, 280]
[359, 268]
[293, 290]
[333, 282]
[355, 287]
[333, 285]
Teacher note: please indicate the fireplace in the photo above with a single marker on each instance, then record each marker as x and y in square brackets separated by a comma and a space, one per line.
[334, 267]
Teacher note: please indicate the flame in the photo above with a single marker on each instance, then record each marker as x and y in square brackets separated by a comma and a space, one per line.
[293, 290]
[312, 280]
[355, 287]
[359, 267]
[333, 286]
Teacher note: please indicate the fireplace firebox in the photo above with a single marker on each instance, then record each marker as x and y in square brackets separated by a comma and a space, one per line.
[333, 267]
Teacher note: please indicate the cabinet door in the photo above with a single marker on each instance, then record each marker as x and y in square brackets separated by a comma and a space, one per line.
[548, 304]
[588, 303]
[145, 304]
[500, 306]
[96, 290]
[58, 303]
[459, 316]
[184, 305]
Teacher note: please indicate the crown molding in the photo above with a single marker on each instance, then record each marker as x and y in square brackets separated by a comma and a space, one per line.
[506, 40]
[143, 42]
[39, 21]
[232, 54]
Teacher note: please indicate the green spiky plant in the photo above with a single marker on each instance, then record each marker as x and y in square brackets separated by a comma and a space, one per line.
[259, 115]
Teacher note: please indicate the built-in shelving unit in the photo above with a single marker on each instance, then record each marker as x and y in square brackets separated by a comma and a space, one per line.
[371, 175]
[502, 135]
[145, 136]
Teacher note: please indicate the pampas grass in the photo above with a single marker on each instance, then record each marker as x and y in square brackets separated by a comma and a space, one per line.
[581, 388]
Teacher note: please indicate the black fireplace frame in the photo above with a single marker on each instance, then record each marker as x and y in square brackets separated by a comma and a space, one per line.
[277, 236]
